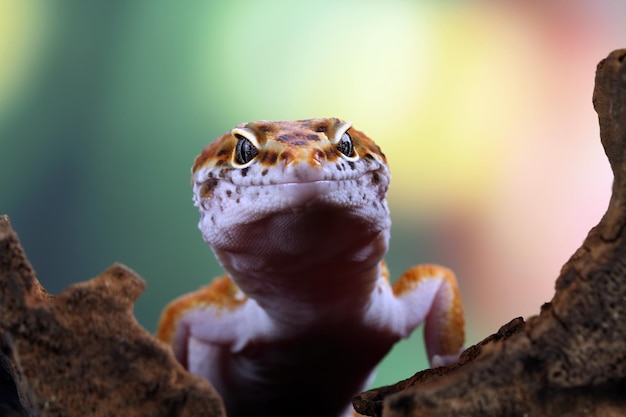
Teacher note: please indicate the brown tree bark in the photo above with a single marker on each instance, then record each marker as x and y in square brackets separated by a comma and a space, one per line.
[570, 360]
[82, 353]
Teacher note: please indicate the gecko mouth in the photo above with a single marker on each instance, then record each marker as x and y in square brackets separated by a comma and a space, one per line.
[225, 205]
[294, 193]
[296, 178]
[346, 191]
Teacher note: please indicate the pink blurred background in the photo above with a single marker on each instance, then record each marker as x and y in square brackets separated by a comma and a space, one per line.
[482, 107]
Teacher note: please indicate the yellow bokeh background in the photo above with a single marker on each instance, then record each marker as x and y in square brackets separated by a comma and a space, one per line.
[482, 107]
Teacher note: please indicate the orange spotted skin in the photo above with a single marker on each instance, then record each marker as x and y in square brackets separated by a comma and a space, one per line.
[221, 294]
[296, 214]
[454, 335]
[289, 139]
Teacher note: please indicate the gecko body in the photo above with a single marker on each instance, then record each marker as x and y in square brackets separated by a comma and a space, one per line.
[296, 213]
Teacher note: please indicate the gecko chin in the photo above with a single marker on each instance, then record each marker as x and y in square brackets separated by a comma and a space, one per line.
[234, 211]
[279, 241]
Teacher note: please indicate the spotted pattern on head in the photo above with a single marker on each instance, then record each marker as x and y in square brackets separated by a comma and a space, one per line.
[286, 141]
[263, 167]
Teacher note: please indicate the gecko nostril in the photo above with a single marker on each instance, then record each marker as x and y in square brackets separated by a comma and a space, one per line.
[287, 157]
[317, 156]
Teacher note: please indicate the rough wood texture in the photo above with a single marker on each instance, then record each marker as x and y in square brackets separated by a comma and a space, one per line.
[82, 352]
[570, 360]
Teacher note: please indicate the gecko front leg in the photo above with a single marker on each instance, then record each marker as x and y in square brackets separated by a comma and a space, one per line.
[426, 294]
[216, 317]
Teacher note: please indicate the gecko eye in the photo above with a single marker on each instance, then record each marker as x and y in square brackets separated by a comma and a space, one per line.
[345, 145]
[245, 150]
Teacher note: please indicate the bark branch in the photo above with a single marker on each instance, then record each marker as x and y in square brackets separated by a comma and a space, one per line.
[83, 353]
[570, 360]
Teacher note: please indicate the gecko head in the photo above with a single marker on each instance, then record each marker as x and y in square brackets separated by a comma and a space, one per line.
[264, 175]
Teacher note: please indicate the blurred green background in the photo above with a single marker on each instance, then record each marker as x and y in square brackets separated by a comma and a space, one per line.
[482, 107]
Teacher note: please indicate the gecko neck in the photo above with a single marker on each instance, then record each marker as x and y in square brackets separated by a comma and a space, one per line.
[296, 280]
